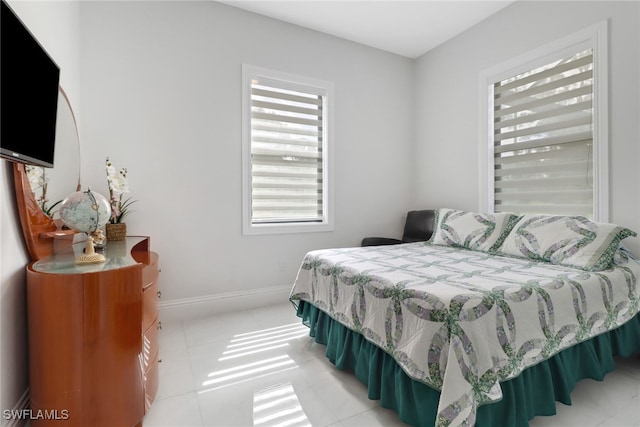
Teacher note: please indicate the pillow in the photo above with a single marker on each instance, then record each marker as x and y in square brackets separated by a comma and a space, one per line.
[470, 230]
[573, 241]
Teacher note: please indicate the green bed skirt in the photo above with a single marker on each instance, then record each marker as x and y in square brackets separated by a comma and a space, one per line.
[534, 392]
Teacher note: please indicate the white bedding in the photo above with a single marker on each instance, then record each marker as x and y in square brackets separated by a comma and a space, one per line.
[462, 321]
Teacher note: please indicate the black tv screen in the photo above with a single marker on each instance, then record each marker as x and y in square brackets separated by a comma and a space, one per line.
[29, 81]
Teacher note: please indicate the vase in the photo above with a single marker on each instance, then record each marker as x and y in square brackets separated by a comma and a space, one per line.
[116, 231]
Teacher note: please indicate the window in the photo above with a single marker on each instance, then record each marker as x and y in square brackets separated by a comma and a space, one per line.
[285, 153]
[546, 143]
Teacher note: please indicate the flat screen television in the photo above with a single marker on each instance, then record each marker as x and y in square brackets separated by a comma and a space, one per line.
[29, 81]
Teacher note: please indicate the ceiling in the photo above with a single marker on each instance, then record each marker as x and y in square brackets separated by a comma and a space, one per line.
[408, 28]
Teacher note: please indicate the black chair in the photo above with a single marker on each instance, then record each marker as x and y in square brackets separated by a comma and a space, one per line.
[417, 228]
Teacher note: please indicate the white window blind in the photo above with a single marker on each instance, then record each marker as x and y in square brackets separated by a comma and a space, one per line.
[287, 152]
[543, 139]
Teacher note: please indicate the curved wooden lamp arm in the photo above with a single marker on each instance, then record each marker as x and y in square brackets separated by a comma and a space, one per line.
[38, 229]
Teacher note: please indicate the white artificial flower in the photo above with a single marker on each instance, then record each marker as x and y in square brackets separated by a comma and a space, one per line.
[36, 176]
[119, 183]
[111, 172]
[117, 180]
[124, 182]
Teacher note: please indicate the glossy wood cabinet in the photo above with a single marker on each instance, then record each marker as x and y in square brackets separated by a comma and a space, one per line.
[150, 328]
[93, 348]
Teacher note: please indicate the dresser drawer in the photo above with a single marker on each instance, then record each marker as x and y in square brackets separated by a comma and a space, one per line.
[150, 344]
[151, 385]
[150, 272]
[149, 305]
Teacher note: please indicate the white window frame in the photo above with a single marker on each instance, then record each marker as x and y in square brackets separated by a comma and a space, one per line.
[248, 226]
[595, 38]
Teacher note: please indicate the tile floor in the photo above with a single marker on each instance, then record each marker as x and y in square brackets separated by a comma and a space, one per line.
[260, 368]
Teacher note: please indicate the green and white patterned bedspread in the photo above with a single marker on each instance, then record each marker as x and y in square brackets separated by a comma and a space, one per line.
[461, 321]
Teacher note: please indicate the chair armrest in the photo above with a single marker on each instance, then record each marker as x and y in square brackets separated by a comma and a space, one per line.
[380, 241]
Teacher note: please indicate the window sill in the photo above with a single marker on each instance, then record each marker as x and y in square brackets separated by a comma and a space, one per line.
[286, 228]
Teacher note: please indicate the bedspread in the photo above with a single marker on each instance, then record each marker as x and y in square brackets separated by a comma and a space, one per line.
[461, 321]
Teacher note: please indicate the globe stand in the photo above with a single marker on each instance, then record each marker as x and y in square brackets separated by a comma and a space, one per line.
[89, 256]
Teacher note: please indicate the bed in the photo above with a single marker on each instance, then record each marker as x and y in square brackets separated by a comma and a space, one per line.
[489, 323]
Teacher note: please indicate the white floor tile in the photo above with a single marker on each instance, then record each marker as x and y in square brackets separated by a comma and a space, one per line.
[182, 410]
[172, 336]
[175, 374]
[343, 393]
[210, 329]
[606, 396]
[281, 314]
[260, 368]
[375, 417]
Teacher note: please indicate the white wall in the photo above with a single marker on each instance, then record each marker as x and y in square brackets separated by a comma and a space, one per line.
[55, 25]
[448, 104]
[161, 95]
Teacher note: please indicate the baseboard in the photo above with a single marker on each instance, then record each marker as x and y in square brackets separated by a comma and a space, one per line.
[18, 415]
[185, 308]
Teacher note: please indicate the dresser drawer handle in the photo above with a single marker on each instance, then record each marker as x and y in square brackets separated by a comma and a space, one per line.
[159, 326]
[159, 293]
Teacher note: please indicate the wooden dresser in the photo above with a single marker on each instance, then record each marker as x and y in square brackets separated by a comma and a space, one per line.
[93, 336]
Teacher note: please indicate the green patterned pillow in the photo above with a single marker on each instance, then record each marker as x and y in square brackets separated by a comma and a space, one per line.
[470, 230]
[574, 241]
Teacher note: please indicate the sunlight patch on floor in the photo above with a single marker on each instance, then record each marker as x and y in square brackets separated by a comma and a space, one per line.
[263, 340]
[240, 356]
[278, 406]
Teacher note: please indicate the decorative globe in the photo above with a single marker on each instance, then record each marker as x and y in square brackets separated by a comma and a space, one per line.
[85, 211]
